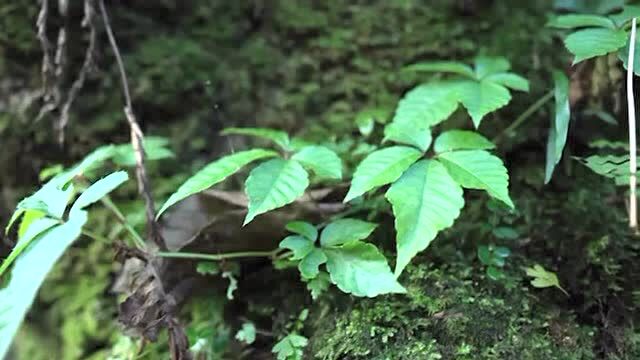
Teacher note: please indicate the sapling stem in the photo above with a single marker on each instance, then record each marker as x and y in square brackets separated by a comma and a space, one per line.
[218, 257]
[524, 116]
[633, 202]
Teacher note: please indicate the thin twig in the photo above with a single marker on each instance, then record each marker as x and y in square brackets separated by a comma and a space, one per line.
[524, 116]
[47, 64]
[633, 217]
[137, 138]
[218, 257]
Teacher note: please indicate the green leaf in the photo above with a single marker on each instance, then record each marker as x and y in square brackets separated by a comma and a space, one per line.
[560, 126]
[214, 173]
[442, 66]
[90, 162]
[407, 133]
[310, 266]
[50, 199]
[300, 245]
[543, 278]
[478, 169]
[484, 66]
[318, 285]
[345, 230]
[623, 54]
[602, 7]
[461, 140]
[290, 347]
[247, 334]
[588, 43]
[28, 273]
[274, 184]
[324, 162]
[506, 233]
[427, 105]
[381, 167]
[36, 228]
[510, 80]
[279, 137]
[481, 98]
[29, 217]
[155, 148]
[303, 228]
[573, 21]
[99, 189]
[208, 268]
[360, 269]
[425, 200]
[627, 14]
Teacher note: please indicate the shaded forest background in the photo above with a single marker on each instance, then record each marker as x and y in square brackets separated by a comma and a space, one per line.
[312, 68]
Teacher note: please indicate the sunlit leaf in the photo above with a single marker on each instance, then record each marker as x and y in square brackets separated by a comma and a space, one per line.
[279, 137]
[461, 140]
[560, 125]
[345, 230]
[588, 43]
[324, 162]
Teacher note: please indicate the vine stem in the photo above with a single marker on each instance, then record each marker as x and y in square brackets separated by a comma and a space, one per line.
[218, 257]
[633, 202]
[137, 239]
[525, 115]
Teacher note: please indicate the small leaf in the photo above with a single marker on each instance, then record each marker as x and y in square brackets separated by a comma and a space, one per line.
[345, 230]
[279, 137]
[208, 268]
[310, 266]
[442, 66]
[543, 278]
[502, 251]
[484, 66]
[321, 160]
[482, 98]
[155, 148]
[461, 140]
[627, 14]
[233, 284]
[494, 273]
[484, 254]
[274, 184]
[560, 126]
[214, 173]
[427, 105]
[303, 228]
[360, 269]
[510, 80]
[290, 347]
[573, 21]
[478, 169]
[247, 334]
[623, 54]
[506, 233]
[318, 285]
[588, 43]
[408, 134]
[301, 246]
[381, 167]
[99, 189]
[425, 200]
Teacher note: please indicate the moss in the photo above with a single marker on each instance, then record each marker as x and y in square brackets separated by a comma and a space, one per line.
[449, 313]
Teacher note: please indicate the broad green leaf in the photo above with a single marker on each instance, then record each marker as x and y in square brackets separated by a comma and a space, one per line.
[358, 268]
[345, 230]
[274, 184]
[303, 228]
[324, 162]
[90, 162]
[36, 228]
[543, 278]
[408, 134]
[29, 217]
[300, 245]
[588, 43]
[425, 200]
[290, 347]
[628, 13]
[461, 140]
[50, 199]
[615, 167]
[214, 173]
[279, 137]
[155, 148]
[442, 66]
[427, 105]
[99, 189]
[381, 167]
[481, 98]
[485, 66]
[310, 266]
[601, 7]
[28, 273]
[573, 21]
[560, 126]
[623, 54]
[510, 80]
[478, 169]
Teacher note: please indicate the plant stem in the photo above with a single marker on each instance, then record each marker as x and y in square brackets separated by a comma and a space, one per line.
[524, 116]
[95, 236]
[633, 206]
[137, 239]
[218, 257]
